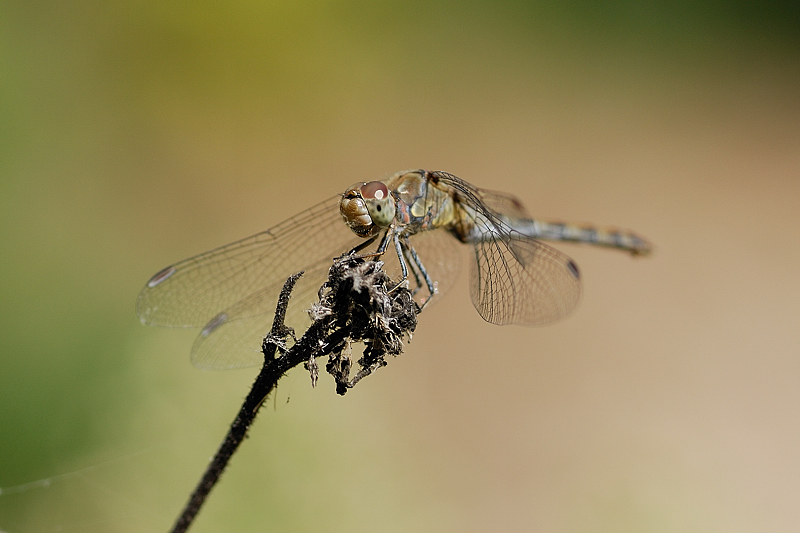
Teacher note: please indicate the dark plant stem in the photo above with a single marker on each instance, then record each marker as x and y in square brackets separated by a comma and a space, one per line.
[270, 373]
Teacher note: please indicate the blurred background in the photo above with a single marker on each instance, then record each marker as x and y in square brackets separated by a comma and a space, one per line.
[136, 134]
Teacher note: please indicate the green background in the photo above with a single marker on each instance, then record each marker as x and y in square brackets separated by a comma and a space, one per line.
[136, 134]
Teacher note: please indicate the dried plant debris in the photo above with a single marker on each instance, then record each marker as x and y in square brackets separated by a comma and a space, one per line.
[360, 303]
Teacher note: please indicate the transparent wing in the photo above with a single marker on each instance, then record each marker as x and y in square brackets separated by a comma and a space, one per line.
[513, 279]
[232, 339]
[192, 292]
[231, 291]
[522, 281]
[502, 203]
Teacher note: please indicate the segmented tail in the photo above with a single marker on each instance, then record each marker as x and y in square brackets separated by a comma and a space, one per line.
[608, 237]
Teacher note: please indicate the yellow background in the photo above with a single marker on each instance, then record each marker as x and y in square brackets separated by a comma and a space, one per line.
[136, 134]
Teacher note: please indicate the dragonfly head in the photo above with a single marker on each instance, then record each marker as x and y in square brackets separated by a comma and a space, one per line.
[367, 207]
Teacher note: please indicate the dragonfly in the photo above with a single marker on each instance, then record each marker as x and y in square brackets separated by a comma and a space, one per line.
[416, 220]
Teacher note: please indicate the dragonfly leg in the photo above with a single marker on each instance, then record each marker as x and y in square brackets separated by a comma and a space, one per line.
[423, 271]
[414, 270]
[385, 241]
[353, 254]
[399, 249]
[362, 246]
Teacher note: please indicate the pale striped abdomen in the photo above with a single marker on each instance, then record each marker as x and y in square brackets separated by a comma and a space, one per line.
[561, 231]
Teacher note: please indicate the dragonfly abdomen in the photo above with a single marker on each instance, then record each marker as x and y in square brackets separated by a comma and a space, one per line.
[562, 231]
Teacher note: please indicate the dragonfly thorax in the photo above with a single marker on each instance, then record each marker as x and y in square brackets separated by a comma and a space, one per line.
[367, 207]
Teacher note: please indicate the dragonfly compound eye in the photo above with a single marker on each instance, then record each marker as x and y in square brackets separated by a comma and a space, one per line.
[379, 201]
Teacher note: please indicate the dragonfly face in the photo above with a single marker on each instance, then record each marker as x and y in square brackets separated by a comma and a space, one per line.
[367, 207]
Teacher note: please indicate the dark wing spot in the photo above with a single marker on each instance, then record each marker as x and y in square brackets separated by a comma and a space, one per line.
[161, 276]
[573, 269]
[214, 324]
